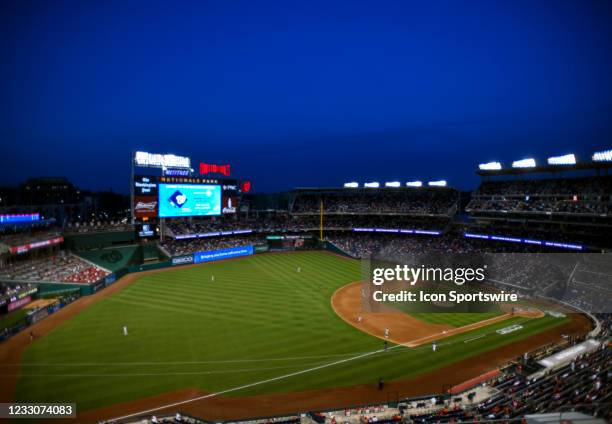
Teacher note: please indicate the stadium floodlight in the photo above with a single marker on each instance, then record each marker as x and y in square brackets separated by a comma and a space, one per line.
[569, 159]
[373, 184]
[351, 185]
[414, 184]
[441, 183]
[490, 166]
[524, 163]
[393, 184]
[603, 156]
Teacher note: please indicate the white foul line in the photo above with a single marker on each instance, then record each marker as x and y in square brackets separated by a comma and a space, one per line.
[474, 338]
[257, 383]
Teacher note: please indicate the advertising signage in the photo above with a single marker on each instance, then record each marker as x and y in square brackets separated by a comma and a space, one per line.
[19, 303]
[187, 180]
[182, 260]
[35, 245]
[145, 206]
[15, 218]
[213, 168]
[145, 185]
[178, 200]
[146, 230]
[156, 160]
[215, 255]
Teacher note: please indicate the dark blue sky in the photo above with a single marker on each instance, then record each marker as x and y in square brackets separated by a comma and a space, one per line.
[301, 93]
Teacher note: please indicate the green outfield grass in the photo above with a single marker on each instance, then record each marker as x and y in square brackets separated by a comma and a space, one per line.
[258, 320]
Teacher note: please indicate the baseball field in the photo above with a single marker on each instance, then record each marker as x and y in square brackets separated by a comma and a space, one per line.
[251, 328]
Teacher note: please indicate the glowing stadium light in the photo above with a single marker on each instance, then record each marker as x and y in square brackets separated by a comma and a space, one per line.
[562, 160]
[414, 184]
[524, 163]
[441, 183]
[351, 185]
[373, 184]
[490, 166]
[393, 184]
[603, 156]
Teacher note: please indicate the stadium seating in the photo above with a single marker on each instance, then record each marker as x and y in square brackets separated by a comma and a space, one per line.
[439, 201]
[182, 247]
[575, 196]
[64, 267]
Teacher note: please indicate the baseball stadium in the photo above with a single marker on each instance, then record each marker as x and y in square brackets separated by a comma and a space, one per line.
[236, 306]
[322, 212]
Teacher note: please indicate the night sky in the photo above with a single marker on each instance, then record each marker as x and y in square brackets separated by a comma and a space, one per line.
[301, 93]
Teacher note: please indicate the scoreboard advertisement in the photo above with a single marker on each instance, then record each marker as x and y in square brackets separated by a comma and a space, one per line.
[181, 200]
[229, 196]
[145, 196]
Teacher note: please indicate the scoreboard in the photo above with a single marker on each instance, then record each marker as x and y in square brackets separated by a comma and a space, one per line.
[181, 196]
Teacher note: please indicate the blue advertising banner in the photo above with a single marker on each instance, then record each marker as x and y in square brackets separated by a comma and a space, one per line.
[215, 255]
[110, 279]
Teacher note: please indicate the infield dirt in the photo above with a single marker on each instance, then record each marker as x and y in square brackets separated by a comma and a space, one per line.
[403, 328]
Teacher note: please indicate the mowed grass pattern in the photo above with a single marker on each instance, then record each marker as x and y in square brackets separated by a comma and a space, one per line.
[455, 319]
[259, 319]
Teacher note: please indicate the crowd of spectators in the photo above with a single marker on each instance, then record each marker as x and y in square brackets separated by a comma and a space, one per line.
[580, 196]
[583, 385]
[97, 227]
[184, 247]
[10, 239]
[62, 267]
[8, 290]
[363, 245]
[588, 186]
[287, 223]
[438, 201]
[540, 205]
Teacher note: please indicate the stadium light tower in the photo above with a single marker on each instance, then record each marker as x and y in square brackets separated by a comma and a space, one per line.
[351, 185]
[441, 183]
[393, 184]
[373, 184]
[569, 159]
[490, 166]
[414, 184]
[524, 163]
[603, 156]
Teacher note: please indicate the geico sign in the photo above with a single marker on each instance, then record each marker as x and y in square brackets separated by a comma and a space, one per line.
[182, 260]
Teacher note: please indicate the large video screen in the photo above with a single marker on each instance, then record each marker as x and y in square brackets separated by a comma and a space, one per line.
[177, 200]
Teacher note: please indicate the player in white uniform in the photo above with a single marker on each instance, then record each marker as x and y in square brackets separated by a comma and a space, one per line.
[386, 332]
[434, 346]
[125, 330]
